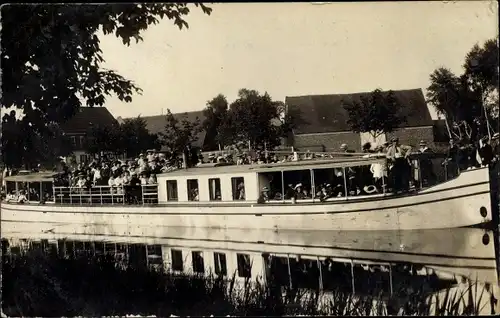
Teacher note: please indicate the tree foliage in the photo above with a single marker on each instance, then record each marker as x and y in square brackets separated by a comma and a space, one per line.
[216, 113]
[24, 147]
[130, 138]
[52, 60]
[380, 112]
[253, 118]
[179, 134]
[51, 54]
[136, 138]
[469, 101]
[103, 139]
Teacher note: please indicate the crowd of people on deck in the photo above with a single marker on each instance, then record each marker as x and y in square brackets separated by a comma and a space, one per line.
[401, 172]
[397, 176]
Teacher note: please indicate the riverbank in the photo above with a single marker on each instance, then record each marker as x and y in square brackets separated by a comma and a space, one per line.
[38, 284]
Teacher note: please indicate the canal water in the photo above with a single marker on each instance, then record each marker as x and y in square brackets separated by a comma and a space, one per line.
[67, 269]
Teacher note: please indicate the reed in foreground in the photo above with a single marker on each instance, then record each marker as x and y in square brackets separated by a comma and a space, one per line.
[36, 284]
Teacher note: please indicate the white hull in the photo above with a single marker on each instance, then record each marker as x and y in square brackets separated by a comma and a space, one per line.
[452, 204]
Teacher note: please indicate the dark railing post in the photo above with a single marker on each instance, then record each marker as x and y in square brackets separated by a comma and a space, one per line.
[419, 168]
[143, 187]
[313, 187]
[282, 187]
[345, 182]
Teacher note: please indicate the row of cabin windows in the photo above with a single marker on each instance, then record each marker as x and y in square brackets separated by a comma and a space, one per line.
[214, 188]
[220, 261]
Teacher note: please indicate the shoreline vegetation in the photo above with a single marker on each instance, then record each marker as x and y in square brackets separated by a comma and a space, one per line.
[39, 284]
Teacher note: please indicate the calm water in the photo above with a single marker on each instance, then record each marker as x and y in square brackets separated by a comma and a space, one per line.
[356, 263]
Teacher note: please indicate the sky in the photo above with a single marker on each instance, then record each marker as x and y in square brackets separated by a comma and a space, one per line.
[292, 49]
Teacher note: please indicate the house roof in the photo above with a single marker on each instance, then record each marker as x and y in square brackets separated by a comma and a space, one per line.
[324, 113]
[87, 116]
[156, 124]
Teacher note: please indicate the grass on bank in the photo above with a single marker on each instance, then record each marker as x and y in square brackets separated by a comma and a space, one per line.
[36, 284]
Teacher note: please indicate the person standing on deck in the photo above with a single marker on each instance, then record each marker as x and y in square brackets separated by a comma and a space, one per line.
[400, 170]
[495, 144]
[426, 170]
[485, 152]
[453, 160]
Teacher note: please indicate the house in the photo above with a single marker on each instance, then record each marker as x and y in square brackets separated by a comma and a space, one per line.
[76, 127]
[156, 125]
[321, 121]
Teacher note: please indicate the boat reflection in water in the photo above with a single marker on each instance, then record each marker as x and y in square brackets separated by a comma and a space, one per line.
[362, 263]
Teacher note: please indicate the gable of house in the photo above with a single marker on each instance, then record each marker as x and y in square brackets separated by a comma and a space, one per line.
[325, 114]
[156, 124]
[85, 118]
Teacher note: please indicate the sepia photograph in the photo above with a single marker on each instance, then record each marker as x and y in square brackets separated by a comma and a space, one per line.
[250, 159]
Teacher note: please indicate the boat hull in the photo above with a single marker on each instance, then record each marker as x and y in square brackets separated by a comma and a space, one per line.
[464, 201]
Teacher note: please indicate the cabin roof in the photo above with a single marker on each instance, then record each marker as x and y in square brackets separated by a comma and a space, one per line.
[214, 169]
[46, 176]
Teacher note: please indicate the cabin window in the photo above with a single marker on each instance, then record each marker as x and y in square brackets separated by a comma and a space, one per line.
[238, 186]
[220, 264]
[73, 140]
[214, 188]
[244, 266]
[172, 194]
[193, 190]
[198, 263]
[177, 262]
[270, 186]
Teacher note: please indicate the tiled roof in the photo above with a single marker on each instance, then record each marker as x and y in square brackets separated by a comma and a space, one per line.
[156, 124]
[86, 117]
[324, 113]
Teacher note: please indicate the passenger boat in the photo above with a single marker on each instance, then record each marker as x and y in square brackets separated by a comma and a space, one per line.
[229, 197]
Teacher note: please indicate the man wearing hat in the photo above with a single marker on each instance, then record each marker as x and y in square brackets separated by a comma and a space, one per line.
[485, 152]
[399, 175]
[426, 170]
[264, 196]
[211, 158]
[495, 144]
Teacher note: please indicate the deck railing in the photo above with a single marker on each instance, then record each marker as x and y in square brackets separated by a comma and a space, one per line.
[143, 194]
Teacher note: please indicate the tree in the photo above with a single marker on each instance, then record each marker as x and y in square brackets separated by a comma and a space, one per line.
[103, 139]
[470, 100]
[179, 135]
[136, 138]
[376, 114]
[253, 118]
[481, 73]
[23, 146]
[52, 61]
[216, 113]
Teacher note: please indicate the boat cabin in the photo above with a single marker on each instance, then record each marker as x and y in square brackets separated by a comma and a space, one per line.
[314, 181]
